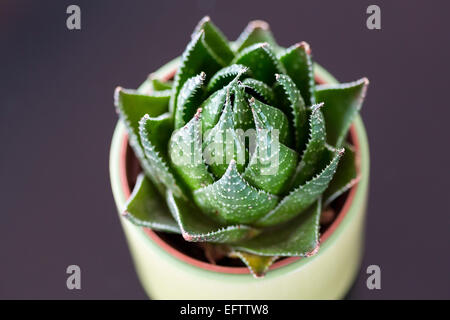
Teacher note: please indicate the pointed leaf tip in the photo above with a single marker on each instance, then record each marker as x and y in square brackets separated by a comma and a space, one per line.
[294, 106]
[317, 107]
[298, 63]
[241, 72]
[131, 105]
[259, 24]
[257, 265]
[155, 134]
[197, 56]
[305, 46]
[261, 60]
[314, 151]
[313, 251]
[256, 31]
[186, 154]
[189, 98]
[345, 178]
[187, 236]
[215, 40]
[343, 102]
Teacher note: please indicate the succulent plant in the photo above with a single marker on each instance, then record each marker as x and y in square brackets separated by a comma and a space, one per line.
[241, 151]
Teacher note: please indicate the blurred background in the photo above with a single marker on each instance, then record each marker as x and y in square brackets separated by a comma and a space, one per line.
[57, 120]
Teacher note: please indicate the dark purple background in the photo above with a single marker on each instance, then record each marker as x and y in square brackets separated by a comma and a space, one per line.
[57, 121]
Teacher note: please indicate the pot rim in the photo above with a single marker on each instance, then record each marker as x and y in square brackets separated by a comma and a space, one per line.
[240, 270]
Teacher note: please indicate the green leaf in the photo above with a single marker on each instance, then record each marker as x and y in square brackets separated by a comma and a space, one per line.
[296, 109]
[213, 106]
[189, 99]
[215, 40]
[155, 134]
[256, 31]
[262, 62]
[301, 198]
[343, 102]
[272, 163]
[158, 85]
[260, 90]
[197, 58]
[185, 152]
[146, 208]
[232, 200]
[313, 155]
[299, 237]
[270, 118]
[195, 226]
[212, 109]
[258, 265]
[222, 144]
[131, 107]
[297, 61]
[224, 76]
[243, 118]
[265, 172]
[346, 176]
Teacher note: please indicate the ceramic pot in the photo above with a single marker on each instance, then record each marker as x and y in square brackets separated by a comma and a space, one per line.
[167, 273]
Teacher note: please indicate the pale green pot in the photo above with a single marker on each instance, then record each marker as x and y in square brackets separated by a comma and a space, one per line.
[327, 275]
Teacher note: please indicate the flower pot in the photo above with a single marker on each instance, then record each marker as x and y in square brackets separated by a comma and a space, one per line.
[167, 273]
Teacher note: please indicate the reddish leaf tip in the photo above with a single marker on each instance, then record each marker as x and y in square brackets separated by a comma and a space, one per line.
[198, 113]
[117, 92]
[313, 251]
[259, 24]
[187, 236]
[305, 46]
